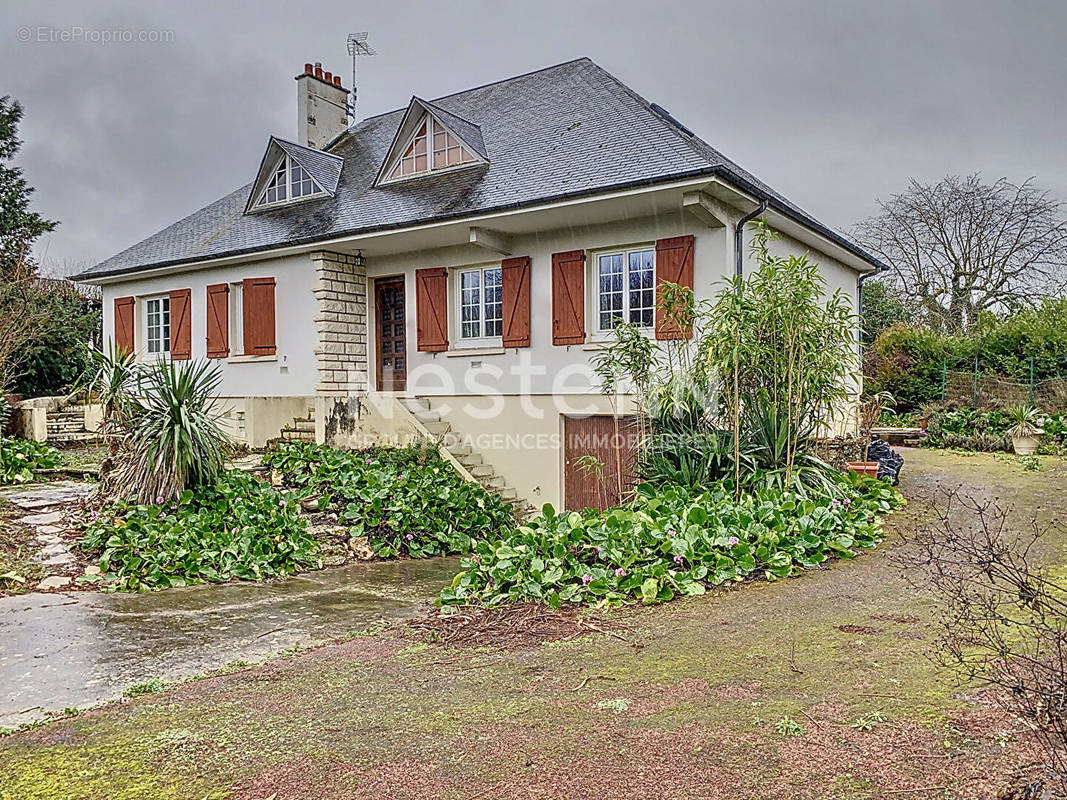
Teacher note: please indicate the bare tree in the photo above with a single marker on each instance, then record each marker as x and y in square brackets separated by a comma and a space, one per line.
[1001, 620]
[961, 246]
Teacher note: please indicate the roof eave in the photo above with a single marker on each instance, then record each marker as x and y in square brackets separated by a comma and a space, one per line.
[713, 171]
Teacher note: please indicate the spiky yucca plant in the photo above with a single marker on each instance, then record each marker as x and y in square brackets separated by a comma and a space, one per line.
[174, 440]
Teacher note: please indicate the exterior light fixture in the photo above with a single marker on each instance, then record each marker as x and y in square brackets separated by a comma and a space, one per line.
[361, 260]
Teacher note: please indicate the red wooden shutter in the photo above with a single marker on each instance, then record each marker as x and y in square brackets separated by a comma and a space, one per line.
[515, 293]
[181, 337]
[568, 297]
[257, 297]
[218, 320]
[123, 324]
[431, 309]
[674, 264]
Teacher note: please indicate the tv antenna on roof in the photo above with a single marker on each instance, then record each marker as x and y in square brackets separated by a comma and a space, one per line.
[357, 46]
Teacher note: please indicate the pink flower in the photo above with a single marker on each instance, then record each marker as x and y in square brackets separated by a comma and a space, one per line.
[620, 572]
[836, 503]
[733, 540]
[678, 559]
[587, 579]
[234, 532]
[368, 460]
[159, 500]
[672, 532]
[599, 549]
[410, 537]
[281, 504]
[848, 501]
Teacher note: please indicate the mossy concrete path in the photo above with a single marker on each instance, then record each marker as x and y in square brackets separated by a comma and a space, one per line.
[66, 650]
[815, 687]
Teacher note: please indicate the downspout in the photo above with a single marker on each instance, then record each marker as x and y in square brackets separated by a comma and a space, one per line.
[859, 301]
[739, 234]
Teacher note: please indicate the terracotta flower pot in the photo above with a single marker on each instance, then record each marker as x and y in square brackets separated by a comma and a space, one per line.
[864, 467]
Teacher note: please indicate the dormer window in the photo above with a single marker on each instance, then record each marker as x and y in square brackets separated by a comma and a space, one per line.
[290, 181]
[432, 147]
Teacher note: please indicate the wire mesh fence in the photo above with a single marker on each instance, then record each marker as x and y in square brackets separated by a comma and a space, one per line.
[987, 392]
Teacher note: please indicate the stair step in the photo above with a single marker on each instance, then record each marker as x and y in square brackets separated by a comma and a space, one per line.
[482, 471]
[79, 436]
[304, 425]
[460, 451]
[470, 459]
[414, 404]
[438, 429]
[425, 415]
[492, 483]
[508, 494]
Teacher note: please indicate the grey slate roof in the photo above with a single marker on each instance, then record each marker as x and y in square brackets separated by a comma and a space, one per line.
[564, 131]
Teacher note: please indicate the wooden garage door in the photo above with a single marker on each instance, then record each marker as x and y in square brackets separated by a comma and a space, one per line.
[612, 442]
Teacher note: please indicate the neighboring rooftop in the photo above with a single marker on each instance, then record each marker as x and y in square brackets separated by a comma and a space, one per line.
[563, 131]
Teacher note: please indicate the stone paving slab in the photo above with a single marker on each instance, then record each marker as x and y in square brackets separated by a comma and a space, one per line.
[48, 518]
[47, 494]
[83, 648]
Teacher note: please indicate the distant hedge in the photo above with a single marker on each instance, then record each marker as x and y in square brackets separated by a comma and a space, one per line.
[910, 362]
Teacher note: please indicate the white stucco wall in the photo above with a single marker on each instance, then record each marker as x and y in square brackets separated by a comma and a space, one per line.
[291, 373]
[541, 368]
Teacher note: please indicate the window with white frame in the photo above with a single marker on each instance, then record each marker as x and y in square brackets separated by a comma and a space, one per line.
[626, 288]
[290, 181]
[480, 303]
[157, 324]
[431, 147]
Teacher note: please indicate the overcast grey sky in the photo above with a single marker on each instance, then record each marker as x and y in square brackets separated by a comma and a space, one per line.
[833, 102]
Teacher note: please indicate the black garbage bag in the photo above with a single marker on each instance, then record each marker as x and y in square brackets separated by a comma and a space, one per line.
[890, 462]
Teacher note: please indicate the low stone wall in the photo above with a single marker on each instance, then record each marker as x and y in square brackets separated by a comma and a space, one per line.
[840, 450]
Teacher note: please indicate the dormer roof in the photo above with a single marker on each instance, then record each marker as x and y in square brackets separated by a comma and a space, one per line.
[422, 112]
[324, 168]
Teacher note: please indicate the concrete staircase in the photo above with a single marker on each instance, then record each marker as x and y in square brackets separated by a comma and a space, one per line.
[473, 462]
[66, 425]
[301, 429]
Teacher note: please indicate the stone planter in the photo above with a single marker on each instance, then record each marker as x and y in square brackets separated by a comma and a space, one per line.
[1025, 445]
[864, 467]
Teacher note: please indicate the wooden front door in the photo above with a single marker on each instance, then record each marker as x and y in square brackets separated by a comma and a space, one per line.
[598, 461]
[390, 325]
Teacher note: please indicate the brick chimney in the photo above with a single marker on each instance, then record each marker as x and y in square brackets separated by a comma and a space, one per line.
[321, 106]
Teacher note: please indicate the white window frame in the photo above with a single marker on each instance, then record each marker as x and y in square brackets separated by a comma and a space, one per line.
[290, 167]
[431, 123]
[600, 331]
[481, 340]
[237, 319]
[163, 326]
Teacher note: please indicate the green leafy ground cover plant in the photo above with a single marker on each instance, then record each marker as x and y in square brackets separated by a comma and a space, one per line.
[989, 431]
[19, 458]
[239, 528]
[671, 541]
[407, 501]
